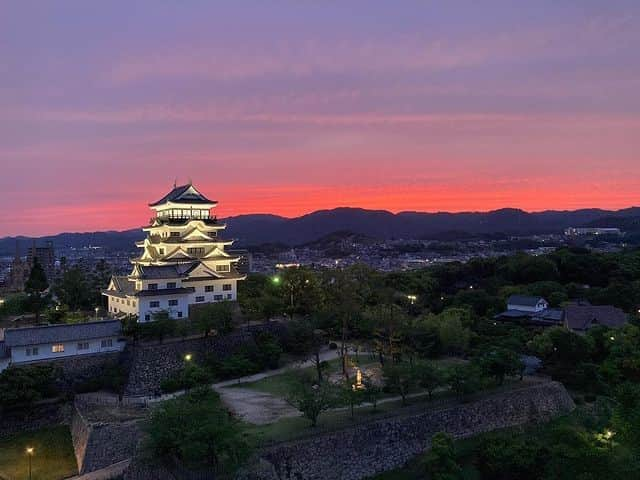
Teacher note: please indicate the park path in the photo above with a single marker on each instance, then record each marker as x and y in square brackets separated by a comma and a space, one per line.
[259, 407]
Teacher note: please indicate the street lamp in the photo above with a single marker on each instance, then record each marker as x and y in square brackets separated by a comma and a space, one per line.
[188, 357]
[97, 309]
[29, 454]
[412, 298]
[276, 280]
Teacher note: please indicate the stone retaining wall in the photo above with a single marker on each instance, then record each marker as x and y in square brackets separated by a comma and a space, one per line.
[369, 449]
[150, 364]
[98, 444]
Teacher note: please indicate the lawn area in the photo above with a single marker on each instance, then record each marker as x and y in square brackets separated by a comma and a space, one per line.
[280, 385]
[53, 457]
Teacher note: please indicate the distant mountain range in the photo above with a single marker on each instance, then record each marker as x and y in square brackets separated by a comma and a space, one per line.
[258, 229]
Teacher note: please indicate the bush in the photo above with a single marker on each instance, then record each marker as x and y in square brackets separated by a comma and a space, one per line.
[190, 376]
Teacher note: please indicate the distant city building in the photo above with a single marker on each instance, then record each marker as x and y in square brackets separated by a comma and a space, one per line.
[245, 264]
[50, 342]
[46, 258]
[18, 273]
[183, 262]
[580, 231]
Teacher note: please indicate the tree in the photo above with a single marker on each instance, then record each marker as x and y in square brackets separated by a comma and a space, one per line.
[214, 316]
[35, 286]
[160, 327]
[21, 387]
[500, 362]
[352, 396]
[465, 379]
[197, 430]
[312, 398]
[429, 376]
[399, 378]
[73, 289]
[372, 391]
[440, 461]
[305, 339]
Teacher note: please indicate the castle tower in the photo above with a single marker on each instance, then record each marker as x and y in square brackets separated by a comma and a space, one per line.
[183, 261]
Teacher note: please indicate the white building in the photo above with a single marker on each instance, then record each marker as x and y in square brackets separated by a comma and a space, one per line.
[50, 342]
[183, 262]
[524, 303]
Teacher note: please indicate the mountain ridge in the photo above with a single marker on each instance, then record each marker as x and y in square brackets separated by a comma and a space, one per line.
[253, 229]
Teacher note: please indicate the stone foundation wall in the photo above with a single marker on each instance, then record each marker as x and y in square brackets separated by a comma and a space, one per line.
[150, 364]
[98, 444]
[369, 449]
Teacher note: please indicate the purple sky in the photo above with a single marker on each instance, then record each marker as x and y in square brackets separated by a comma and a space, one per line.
[291, 106]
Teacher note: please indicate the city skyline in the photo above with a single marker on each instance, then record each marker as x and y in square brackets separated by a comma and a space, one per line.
[292, 107]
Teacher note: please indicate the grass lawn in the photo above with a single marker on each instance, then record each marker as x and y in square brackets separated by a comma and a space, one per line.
[53, 457]
[280, 385]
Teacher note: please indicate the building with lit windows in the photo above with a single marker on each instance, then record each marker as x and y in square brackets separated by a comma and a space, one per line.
[183, 261]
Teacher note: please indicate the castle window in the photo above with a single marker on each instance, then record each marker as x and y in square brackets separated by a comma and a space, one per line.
[199, 299]
[57, 348]
[171, 284]
[30, 352]
[217, 298]
[196, 251]
[161, 250]
[173, 303]
[208, 288]
[106, 343]
[83, 346]
[229, 296]
[154, 304]
[153, 286]
[222, 268]
[147, 317]
[179, 314]
[175, 234]
[227, 287]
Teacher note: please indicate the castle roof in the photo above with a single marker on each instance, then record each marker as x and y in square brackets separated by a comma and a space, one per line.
[187, 194]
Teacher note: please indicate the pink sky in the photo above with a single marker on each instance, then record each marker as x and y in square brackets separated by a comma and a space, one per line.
[302, 106]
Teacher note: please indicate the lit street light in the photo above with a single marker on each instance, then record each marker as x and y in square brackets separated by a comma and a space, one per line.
[29, 454]
[188, 357]
[412, 298]
[97, 309]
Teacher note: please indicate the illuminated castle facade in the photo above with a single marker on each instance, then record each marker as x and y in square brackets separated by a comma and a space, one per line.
[183, 261]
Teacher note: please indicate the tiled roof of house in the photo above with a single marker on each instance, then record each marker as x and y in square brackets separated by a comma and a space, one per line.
[183, 194]
[151, 272]
[524, 300]
[17, 337]
[583, 317]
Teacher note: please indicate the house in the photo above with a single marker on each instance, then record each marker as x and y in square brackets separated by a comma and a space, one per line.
[50, 342]
[183, 263]
[531, 310]
[581, 317]
[525, 303]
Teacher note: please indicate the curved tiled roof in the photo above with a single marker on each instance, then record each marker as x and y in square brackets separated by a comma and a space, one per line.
[183, 194]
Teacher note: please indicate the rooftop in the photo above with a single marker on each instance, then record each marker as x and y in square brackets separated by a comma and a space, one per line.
[187, 194]
[582, 317]
[18, 337]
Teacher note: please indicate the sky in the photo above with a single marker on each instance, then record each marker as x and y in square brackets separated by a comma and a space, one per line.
[287, 107]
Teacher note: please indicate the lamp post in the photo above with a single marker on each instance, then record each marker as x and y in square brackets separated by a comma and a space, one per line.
[29, 454]
[188, 357]
[412, 299]
[97, 309]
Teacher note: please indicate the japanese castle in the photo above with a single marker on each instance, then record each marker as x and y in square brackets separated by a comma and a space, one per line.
[183, 262]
